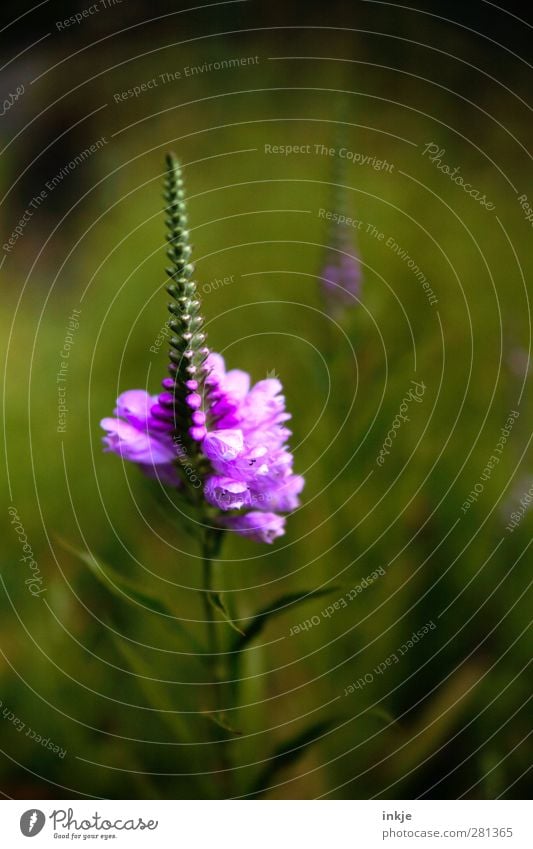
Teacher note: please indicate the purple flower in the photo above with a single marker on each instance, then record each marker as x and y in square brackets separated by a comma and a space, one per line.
[246, 444]
[137, 435]
[241, 433]
[207, 427]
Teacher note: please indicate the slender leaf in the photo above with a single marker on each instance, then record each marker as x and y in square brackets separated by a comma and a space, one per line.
[381, 714]
[289, 753]
[215, 600]
[276, 608]
[118, 584]
[157, 698]
[220, 720]
[125, 589]
[155, 692]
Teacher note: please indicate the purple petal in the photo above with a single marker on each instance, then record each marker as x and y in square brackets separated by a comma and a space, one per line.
[260, 527]
[134, 406]
[136, 445]
[237, 383]
[223, 444]
[225, 493]
[285, 497]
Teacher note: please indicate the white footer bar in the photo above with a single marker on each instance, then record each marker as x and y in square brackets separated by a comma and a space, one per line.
[267, 824]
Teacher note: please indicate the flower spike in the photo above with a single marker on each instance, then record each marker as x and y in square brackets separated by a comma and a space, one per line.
[182, 399]
[209, 432]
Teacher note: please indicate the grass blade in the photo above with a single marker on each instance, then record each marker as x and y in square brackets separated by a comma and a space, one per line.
[289, 753]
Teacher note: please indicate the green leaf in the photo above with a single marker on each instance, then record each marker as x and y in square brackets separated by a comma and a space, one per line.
[381, 714]
[126, 590]
[276, 608]
[157, 698]
[220, 720]
[154, 691]
[289, 753]
[117, 583]
[215, 600]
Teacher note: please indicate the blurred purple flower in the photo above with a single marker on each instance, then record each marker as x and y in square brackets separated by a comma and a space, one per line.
[341, 280]
[519, 361]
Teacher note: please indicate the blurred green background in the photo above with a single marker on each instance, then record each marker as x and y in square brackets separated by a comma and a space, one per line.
[119, 687]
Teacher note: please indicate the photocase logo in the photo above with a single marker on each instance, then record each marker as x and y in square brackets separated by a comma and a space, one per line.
[32, 822]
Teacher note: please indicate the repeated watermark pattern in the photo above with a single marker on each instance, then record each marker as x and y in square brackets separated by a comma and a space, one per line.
[39, 198]
[402, 254]
[35, 580]
[524, 503]
[217, 283]
[435, 155]
[163, 336]
[339, 604]
[340, 218]
[391, 243]
[290, 161]
[63, 371]
[370, 229]
[186, 72]
[80, 17]
[11, 99]
[353, 156]
[46, 742]
[415, 393]
[165, 332]
[391, 660]
[492, 462]
[526, 208]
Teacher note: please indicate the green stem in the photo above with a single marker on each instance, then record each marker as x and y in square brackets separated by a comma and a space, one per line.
[212, 646]
[210, 550]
